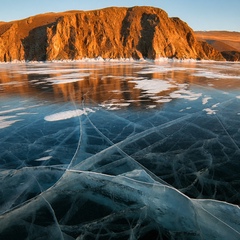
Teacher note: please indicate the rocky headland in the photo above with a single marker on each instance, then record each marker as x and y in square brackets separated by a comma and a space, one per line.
[137, 32]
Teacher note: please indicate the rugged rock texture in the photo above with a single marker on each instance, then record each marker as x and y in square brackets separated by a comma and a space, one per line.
[231, 55]
[138, 32]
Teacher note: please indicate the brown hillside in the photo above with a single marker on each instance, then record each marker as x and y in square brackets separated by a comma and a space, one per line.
[137, 32]
[219, 35]
[221, 45]
[228, 43]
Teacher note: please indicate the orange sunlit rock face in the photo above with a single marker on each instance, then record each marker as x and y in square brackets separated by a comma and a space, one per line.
[138, 32]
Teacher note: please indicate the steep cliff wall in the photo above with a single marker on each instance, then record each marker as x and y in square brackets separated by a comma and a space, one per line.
[138, 32]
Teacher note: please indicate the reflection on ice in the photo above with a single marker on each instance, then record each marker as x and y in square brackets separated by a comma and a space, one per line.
[162, 164]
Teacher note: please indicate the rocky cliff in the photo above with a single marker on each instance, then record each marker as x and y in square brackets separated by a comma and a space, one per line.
[137, 32]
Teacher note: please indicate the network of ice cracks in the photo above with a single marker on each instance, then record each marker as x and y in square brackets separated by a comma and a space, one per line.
[103, 174]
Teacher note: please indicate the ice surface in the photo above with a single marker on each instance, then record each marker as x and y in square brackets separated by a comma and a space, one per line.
[134, 150]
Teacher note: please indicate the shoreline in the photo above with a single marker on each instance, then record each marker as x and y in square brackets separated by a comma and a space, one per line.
[106, 60]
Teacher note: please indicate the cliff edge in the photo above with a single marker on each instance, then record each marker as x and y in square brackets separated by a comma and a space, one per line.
[137, 32]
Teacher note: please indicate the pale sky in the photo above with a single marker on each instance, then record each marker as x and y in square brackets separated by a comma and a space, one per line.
[199, 14]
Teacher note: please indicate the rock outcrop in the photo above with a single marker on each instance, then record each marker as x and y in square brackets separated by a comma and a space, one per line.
[231, 55]
[137, 32]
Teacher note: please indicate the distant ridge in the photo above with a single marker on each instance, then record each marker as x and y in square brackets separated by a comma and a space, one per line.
[137, 32]
[228, 43]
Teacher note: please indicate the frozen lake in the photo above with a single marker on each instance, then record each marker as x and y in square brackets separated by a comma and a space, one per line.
[120, 150]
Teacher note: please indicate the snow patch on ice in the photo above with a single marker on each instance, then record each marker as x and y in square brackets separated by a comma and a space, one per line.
[67, 114]
[153, 86]
[12, 110]
[161, 69]
[26, 113]
[214, 75]
[187, 108]
[151, 106]
[114, 105]
[185, 94]
[43, 159]
[205, 100]
[164, 100]
[4, 122]
[215, 105]
[64, 81]
[210, 111]
[68, 78]
[156, 86]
